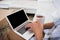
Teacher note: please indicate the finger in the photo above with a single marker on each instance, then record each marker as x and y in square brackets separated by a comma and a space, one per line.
[30, 29]
[34, 23]
[28, 25]
[38, 20]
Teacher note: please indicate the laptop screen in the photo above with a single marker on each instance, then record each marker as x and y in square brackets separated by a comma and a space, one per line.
[17, 18]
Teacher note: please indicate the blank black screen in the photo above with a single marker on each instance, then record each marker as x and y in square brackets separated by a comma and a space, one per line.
[17, 18]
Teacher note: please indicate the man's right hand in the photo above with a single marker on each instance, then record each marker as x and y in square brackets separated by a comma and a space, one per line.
[37, 28]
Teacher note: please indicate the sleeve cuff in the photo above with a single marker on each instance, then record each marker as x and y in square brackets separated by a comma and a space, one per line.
[57, 22]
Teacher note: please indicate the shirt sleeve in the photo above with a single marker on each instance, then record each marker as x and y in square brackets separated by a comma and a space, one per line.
[57, 21]
[56, 32]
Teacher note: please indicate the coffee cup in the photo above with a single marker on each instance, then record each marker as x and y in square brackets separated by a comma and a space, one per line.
[39, 17]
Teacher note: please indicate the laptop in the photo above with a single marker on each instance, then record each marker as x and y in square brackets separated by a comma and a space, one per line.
[17, 22]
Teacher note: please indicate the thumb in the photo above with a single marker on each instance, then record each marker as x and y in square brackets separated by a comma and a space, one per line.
[39, 21]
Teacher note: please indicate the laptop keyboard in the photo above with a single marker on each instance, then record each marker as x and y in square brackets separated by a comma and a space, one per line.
[22, 30]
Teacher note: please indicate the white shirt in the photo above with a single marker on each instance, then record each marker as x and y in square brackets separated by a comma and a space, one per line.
[54, 15]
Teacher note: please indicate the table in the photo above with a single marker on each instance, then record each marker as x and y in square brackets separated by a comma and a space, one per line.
[7, 32]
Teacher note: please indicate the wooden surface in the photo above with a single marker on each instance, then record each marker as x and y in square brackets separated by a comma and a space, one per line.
[7, 34]
[5, 12]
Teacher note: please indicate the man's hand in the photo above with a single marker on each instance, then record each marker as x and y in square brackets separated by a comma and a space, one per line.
[37, 28]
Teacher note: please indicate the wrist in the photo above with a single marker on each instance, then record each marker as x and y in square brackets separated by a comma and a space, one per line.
[39, 35]
[39, 31]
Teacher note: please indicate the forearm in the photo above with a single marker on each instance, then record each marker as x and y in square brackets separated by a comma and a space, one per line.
[39, 35]
[48, 25]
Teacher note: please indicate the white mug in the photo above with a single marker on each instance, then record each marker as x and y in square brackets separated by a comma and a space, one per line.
[39, 17]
